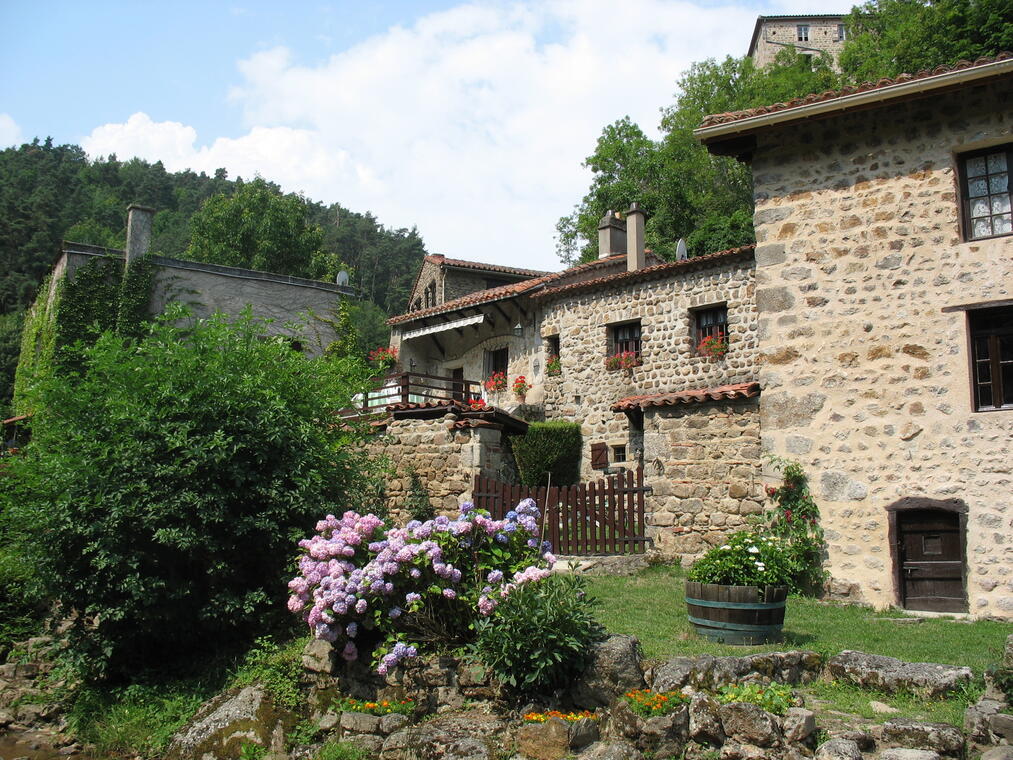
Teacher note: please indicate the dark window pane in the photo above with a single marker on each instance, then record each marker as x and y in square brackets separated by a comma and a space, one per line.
[996, 163]
[984, 372]
[976, 166]
[981, 348]
[1007, 386]
[984, 396]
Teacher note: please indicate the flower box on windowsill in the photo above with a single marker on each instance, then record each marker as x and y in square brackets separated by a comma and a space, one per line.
[626, 360]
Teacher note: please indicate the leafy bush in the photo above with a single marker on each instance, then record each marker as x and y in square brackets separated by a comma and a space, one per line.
[541, 634]
[165, 483]
[425, 583]
[647, 703]
[20, 611]
[745, 559]
[380, 707]
[276, 668]
[548, 448]
[795, 518]
[773, 697]
[337, 750]
[568, 717]
[418, 505]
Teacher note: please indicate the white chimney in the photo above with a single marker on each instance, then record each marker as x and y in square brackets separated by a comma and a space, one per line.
[611, 235]
[635, 256]
[139, 219]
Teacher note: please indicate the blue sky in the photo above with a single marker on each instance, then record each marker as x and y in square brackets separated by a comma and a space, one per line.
[467, 120]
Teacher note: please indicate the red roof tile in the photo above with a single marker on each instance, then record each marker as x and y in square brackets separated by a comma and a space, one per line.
[438, 258]
[649, 273]
[502, 291]
[820, 97]
[721, 393]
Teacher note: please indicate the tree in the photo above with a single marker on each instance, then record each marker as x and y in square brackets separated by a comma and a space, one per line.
[891, 37]
[164, 485]
[258, 228]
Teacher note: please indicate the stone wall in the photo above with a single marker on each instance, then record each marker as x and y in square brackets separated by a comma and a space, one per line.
[703, 461]
[865, 377]
[446, 452]
[428, 274]
[458, 282]
[585, 391]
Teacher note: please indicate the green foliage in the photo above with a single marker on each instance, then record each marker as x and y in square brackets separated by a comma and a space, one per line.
[36, 360]
[417, 502]
[347, 343]
[746, 558]
[1002, 677]
[376, 707]
[171, 477]
[720, 232]
[251, 751]
[541, 634]
[134, 299]
[795, 518]
[338, 750]
[648, 704]
[277, 668]
[548, 448]
[20, 611]
[11, 326]
[773, 697]
[890, 37]
[256, 227]
[302, 733]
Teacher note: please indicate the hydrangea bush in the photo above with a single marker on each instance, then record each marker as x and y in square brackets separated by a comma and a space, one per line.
[407, 588]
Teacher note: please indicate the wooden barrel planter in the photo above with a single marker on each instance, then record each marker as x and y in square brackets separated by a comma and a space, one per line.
[743, 615]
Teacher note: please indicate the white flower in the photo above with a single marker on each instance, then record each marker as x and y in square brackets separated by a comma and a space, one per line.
[753, 550]
[760, 566]
[726, 546]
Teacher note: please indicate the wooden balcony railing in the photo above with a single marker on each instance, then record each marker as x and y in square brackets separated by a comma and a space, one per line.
[413, 388]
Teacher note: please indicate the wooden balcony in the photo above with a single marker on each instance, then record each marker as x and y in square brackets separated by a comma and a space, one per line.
[413, 388]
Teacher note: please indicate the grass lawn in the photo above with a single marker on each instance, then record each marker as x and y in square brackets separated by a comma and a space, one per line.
[651, 607]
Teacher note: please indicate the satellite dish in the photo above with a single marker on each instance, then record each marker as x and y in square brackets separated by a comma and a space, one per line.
[681, 254]
[342, 277]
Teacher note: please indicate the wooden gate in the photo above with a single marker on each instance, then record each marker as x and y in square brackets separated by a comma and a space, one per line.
[601, 517]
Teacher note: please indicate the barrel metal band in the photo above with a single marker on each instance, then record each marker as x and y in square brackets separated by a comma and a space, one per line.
[734, 626]
[737, 605]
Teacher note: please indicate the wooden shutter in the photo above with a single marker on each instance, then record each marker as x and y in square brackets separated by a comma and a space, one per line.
[599, 456]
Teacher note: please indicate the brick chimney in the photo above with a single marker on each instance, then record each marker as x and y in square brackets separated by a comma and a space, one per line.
[139, 219]
[611, 235]
[636, 257]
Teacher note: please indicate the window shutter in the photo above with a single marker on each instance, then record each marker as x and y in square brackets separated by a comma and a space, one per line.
[599, 456]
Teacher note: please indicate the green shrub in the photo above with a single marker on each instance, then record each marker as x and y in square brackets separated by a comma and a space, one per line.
[795, 518]
[773, 697]
[540, 634]
[276, 668]
[165, 484]
[548, 448]
[647, 703]
[745, 559]
[340, 751]
[417, 503]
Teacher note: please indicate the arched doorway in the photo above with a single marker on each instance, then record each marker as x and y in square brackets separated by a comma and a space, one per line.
[928, 541]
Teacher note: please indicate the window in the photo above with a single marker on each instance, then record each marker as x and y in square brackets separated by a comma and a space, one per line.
[986, 192]
[710, 323]
[552, 345]
[430, 294]
[802, 33]
[619, 453]
[992, 358]
[841, 33]
[624, 338]
[497, 361]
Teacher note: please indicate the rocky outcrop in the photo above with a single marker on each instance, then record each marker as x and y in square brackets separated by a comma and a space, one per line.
[462, 736]
[873, 671]
[614, 669]
[938, 737]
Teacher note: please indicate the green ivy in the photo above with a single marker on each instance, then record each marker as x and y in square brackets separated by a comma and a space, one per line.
[548, 447]
[99, 296]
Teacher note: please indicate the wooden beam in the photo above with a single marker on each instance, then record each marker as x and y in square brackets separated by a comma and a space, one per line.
[438, 345]
[505, 315]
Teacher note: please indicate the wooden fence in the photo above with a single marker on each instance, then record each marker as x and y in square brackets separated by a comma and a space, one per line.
[602, 517]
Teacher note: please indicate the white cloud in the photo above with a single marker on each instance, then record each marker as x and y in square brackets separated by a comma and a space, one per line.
[10, 132]
[472, 123]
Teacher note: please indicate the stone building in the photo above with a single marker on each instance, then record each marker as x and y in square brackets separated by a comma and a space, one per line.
[809, 35]
[884, 292]
[300, 308]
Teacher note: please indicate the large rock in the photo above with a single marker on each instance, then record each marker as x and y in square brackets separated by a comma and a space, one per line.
[998, 753]
[544, 741]
[873, 671]
[750, 724]
[940, 737]
[976, 718]
[799, 725]
[909, 754]
[838, 749]
[665, 735]
[225, 723]
[460, 736]
[705, 720]
[617, 749]
[318, 657]
[1001, 726]
[613, 670]
[708, 672]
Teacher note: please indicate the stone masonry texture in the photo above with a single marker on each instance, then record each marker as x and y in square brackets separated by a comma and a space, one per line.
[865, 377]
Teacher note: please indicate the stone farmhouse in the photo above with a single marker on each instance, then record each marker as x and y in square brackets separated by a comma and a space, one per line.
[810, 35]
[869, 335]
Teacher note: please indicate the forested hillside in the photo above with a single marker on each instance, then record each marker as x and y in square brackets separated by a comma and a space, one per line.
[50, 193]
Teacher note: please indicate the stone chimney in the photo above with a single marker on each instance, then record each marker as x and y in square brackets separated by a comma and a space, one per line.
[611, 235]
[139, 220]
[636, 258]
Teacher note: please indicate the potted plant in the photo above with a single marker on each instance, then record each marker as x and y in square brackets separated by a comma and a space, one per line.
[496, 382]
[735, 593]
[384, 357]
[553, 367]
[714, 346]
[624, 360]
[521, 387]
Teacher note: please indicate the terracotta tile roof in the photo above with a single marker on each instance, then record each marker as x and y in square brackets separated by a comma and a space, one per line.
[649, 273]
[820, 97]
[734, 392]
[502, 291]
[438, 258]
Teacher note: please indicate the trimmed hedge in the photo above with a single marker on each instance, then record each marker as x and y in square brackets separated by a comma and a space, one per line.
[549, 447]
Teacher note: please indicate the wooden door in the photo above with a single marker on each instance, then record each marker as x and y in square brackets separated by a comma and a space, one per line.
[931, 560]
